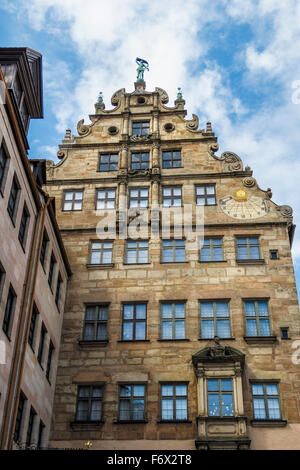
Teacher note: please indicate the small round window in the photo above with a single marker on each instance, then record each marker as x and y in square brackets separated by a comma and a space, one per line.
[169, 127]
[112, 130]
[141, 100]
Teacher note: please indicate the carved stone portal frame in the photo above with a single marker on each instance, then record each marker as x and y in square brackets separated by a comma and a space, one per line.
[220, 432]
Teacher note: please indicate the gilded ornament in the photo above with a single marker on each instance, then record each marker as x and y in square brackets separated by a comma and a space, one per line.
[240, 195]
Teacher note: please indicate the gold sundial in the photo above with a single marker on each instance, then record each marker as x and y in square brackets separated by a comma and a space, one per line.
[243, 206]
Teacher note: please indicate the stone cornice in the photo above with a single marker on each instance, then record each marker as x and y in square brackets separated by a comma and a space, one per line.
[223, 225]
[99, 145]
[179, 176]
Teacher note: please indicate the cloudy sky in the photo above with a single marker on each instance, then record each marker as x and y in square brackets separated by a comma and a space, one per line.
[237, 62]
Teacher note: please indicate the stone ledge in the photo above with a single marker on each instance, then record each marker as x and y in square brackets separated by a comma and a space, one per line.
[86, 425]
[174, 339]
[133, 341]
[264, 423]
[100, 266]
[174, 421]
[235, 443]
[213, 261]
[92, 343]
[135, 264]
[174, 262]
[250, 262]
[260, 339]
[222, 418]
[211, 339]
[133, 421]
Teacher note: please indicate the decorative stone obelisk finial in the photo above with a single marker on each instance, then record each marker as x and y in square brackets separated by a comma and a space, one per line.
[99, 106]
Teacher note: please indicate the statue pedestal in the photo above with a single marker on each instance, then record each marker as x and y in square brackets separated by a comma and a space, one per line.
[140, 86]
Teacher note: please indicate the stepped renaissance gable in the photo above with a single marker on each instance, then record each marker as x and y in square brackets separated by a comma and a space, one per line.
[168, 343]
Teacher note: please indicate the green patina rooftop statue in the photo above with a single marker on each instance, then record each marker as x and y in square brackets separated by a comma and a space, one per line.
[142, 66]
[179, 93]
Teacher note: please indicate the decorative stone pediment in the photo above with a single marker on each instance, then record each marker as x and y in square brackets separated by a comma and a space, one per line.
[141, 138]
[192, 124]
[163, 95]
[218, 353]
[137, 173]
[287, 213]
[232, 161]
[116, 97]
[83, 129]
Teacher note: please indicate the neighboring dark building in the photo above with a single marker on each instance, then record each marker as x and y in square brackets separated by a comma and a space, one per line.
[29, 307]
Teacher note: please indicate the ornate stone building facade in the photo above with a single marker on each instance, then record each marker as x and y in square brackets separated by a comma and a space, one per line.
[168, 343]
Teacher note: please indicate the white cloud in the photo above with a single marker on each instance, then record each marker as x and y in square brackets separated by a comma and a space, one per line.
[48, 151]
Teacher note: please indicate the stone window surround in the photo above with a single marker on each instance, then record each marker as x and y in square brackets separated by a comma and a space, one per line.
[140, 162]
[45, 252]
[71, 190]
[20, 419]
[249, 260]
[172, 196]
[82, 341]
[131, 421]
[173, 250]
[52, 270]
[112, 153]
[40, 434]
[2, 279]
[285, 333]
[58, 290]
[99, 265]
[212, 430]
[134, 321]
[137, 249]
[104, 188]
[213, 300]
[258, 339]
[6, 167]
[173, 320]
[139, 197]
[213, 237]
[13, 214]
[24, 427]
[221, 393]
[275, 252]
[174, 420]
[49, 367]
[32, 418]
[163, 150]
[267, 422]
[11, 293]
[33, 326]
[78, 423]
[42, 345]
[26, 227]
[141, 121]
[205, 195]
